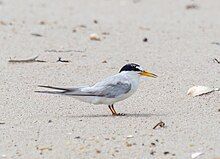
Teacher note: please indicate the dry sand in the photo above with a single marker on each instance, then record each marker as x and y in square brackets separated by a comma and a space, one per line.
[179, 49]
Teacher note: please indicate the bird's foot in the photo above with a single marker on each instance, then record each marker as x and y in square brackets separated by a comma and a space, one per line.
[119, 114]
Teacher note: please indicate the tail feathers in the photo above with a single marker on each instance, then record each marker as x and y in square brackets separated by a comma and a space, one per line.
[68, 91]
[51, 87]
[49, 92]
[62, 90]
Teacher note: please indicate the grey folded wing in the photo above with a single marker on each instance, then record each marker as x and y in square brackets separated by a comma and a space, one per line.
[112, 90]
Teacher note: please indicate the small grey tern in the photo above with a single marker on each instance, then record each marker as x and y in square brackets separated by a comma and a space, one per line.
[108, 91]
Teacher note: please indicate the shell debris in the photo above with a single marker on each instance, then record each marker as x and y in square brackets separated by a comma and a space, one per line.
[94, 37]
[196, 154]
[200, 90]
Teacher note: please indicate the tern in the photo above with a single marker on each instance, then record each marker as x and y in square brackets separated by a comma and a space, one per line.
[108, 91]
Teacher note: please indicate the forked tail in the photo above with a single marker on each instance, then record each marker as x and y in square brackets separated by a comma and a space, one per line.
[61, 90]
[78, 91]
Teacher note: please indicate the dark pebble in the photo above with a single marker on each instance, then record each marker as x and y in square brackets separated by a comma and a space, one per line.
[166, 152]
[95, 21]
[77, 137]
[152, 152]
[153, 144]
[145, 40]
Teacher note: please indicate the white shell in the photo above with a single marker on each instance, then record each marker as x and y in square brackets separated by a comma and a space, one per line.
[94, 36]
[130, 136]
[200, 90]
[196, 154]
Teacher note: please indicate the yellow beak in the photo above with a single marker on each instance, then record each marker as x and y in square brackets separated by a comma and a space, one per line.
[148, 74]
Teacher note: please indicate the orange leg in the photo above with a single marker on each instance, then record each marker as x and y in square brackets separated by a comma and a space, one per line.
[115, 113]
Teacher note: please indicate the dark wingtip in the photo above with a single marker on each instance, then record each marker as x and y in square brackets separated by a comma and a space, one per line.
[51, 87]
[48, 92]
[43, 86]
[41, 91]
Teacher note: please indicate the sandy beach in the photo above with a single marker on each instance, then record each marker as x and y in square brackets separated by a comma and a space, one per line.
[177, 40]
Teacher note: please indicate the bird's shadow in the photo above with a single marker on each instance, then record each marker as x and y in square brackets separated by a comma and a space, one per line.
[135, 115]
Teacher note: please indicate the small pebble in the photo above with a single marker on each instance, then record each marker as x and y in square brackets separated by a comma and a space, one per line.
[42, 23]
[152, 152]
[77, 137]
[153, 144]
[145, 40]
[105, 33]
[2, 23]
[95, 21]
[128, 144]
[166, 152]
[49, 121]
[192, 6]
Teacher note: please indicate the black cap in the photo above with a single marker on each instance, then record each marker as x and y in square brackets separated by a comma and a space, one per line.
[130, 67]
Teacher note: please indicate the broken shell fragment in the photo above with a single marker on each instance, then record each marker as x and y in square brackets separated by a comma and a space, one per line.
[95, 37]
[200, 90]
[196, 154]
[130, 136]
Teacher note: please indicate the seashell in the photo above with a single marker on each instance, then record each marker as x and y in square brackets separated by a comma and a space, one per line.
[200, 90]
[94, 36]
[130, 136]
[196, 154]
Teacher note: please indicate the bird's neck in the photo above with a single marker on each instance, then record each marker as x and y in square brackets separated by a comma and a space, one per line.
[133, 77]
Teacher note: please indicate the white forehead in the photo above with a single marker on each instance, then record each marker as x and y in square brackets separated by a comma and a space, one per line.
[139, 67]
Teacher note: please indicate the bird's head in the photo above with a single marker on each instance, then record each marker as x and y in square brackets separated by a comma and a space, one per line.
[137, 69]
